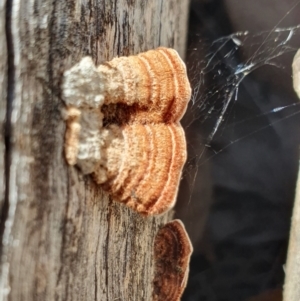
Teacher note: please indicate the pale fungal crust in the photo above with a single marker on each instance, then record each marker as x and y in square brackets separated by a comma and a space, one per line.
[172, 252]
[123, 126]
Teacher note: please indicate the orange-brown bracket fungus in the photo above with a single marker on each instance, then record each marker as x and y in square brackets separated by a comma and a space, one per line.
[172, 252]
[123, 126]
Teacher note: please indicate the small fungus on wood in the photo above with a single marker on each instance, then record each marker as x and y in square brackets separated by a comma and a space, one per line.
[172, 252]
[123, 126]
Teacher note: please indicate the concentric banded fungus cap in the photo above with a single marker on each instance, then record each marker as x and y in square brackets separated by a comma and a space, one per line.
[172, 252]
[123, 126]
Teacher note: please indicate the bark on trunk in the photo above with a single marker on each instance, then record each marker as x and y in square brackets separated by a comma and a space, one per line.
[62, 238]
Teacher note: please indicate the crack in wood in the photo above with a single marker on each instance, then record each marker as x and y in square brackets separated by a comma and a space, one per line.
[7, 127]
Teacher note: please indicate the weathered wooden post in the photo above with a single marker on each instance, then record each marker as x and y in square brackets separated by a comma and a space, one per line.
[62, 238]
[292, 281]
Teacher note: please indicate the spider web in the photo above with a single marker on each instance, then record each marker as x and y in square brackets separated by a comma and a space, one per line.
[216, 86]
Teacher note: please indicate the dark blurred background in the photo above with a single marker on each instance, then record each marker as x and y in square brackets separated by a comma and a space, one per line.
[237, 191]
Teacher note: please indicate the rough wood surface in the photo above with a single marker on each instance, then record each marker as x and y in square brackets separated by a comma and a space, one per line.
[291, 287]
[292, 270]
[3, 103]
[62, 238]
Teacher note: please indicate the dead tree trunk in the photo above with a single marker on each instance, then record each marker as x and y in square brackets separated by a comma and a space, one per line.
[62, 238]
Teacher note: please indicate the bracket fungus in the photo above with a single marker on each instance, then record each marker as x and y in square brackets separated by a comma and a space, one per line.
[123, 126]
[172, 252]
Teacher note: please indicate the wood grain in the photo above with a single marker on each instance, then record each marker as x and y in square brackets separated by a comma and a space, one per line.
[3, 97]
[62, 238]
[291, 291]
